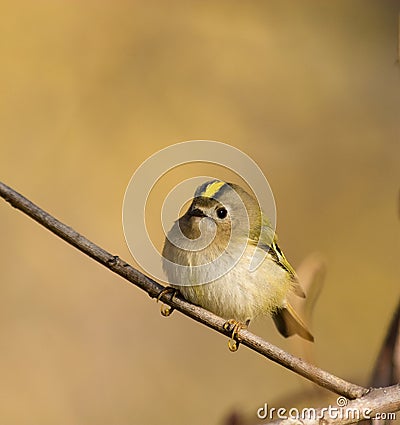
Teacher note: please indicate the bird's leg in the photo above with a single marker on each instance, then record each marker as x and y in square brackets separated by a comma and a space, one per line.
[166, 310]
[235, 327]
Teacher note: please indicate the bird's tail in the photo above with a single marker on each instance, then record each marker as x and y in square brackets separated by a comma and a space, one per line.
[289, 323]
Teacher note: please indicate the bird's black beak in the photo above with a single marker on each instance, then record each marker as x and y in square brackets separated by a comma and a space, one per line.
[196, 212]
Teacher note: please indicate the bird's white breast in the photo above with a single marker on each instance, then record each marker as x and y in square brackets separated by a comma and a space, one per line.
[239, 294]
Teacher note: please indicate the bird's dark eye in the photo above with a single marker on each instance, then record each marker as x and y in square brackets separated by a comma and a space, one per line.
[222, 212]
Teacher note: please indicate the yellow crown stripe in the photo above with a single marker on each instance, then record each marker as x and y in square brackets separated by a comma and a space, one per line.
[212, 189]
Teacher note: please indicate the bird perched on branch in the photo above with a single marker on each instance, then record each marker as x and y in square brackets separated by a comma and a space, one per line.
[223, 255]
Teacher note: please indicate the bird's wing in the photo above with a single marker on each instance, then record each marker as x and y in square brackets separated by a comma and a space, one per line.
[268, 241]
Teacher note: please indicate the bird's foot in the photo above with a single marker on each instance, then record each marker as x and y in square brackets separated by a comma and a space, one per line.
[234, 327]
[167, 310]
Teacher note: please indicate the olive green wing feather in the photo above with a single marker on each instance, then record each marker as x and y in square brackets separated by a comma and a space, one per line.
[268, 242]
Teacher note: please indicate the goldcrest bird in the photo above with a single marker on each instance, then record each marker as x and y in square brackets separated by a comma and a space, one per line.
[209, 256]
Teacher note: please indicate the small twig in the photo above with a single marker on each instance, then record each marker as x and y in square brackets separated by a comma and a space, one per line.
[114, 263]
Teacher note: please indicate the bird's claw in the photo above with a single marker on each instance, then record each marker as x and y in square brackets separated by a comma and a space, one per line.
[234, 327]
[167, 310]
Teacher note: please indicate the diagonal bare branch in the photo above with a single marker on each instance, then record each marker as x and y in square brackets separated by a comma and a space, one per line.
[117, 265]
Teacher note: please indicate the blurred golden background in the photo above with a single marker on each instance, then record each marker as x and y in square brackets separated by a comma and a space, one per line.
[89, 90]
